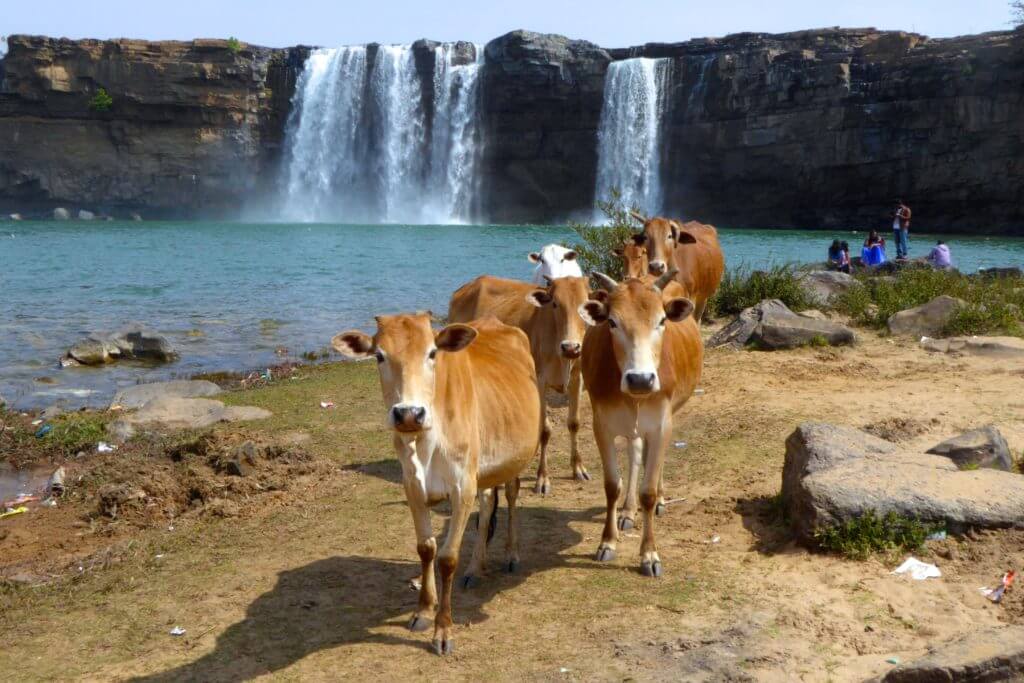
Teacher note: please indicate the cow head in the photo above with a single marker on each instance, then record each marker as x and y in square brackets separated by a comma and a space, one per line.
[636, 316]
[408, 352]
[561, 299]
[554, 261]
[634, 257]
[661, 236]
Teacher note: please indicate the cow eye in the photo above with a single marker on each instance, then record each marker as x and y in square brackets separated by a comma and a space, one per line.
[611, 323]
[661, 323]
[380, 356]
[432, 354]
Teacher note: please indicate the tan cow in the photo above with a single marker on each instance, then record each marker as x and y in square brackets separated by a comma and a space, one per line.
[692, 249]
[548, 317]
[635, 265]
[641, 361]
[463, 406]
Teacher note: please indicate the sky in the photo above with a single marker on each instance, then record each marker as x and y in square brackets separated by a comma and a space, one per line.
[610, 23]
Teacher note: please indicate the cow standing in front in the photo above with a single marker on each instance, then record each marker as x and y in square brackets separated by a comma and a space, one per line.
[641, 361]
[549, 318]
[463, 406]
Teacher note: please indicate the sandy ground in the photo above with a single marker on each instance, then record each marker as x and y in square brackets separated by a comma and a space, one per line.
[313, 584]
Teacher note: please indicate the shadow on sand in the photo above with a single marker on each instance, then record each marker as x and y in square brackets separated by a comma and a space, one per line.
[339, 601]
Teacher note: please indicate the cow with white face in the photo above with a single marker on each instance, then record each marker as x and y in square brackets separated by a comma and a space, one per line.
[641, 361]
[463, 409]
[554, 261]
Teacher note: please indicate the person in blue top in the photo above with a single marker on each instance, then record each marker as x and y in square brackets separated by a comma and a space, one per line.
[835, 255]
[873, 252]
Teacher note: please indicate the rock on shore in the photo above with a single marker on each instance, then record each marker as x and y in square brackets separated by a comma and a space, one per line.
[771, 325]
[132, 343]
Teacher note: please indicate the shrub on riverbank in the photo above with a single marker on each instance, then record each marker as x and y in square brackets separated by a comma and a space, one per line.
[860, 538]
[596, 248]
[742, 288]
[993, 304]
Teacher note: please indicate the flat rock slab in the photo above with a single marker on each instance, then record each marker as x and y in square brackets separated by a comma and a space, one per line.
[983, 447]
[995, 347]
[836, 474]
[823, 286]
[927, 319]
[991, 654]
[141, 394]
[772, 326]
[171, 412]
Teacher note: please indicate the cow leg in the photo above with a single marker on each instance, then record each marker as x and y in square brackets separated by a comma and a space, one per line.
[426, 547]
[612, 490]
[448, 562]
[543, 485]
[698, 310]
[579, 472]
[657, 441]
[512, 539]
[488, 500]
[635, 449]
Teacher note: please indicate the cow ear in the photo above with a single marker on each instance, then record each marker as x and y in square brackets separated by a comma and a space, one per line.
[538, 298]
[353, 344]
[680, 235]
[678, 309]
[599, 295]
[593, 312]
[569, 256]
[639, 239]
[455, 337]
[534, 257]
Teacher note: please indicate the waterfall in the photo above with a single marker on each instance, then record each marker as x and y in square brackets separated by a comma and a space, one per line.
[695, 102]
[629, 133]
[377, 144]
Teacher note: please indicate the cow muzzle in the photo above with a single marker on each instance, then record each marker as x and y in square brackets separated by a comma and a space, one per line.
[640, 383]
[656, 267]
[406, 418]
[571, 350]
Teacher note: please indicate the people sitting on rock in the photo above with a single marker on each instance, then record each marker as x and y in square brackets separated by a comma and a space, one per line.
[844, 257]
[835, 255]
[873, 252]
[939, 257]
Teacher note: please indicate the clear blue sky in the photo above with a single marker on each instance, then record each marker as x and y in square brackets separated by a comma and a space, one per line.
[611, 23]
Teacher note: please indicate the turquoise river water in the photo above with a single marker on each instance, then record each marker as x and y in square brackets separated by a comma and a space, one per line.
[228, 294]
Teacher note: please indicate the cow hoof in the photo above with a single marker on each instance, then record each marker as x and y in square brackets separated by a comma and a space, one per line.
[543, 487]
[625, 523]
[581, 475]
[418, 623]
[470, 581]
[512, 566]
[659, 509]
[444, 647]
[652, 569]
[605, 554]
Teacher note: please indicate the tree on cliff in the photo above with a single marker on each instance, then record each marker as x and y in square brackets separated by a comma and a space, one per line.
[1017, 7]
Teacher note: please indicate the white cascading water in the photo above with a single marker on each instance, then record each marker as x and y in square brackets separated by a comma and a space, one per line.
[695, 102]
[358, 144]
[629, 134]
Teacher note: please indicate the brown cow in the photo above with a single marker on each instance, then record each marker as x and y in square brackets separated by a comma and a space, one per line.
[692, 249]
[641, 361]
[635, 265]
[465, 420]
[549, 318]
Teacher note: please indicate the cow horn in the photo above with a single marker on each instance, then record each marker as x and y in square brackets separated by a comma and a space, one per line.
[604, 281]
[666, 278]
[637, 215]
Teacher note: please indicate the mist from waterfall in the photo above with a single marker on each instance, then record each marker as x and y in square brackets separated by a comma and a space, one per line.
[630, 133]
[368, 141]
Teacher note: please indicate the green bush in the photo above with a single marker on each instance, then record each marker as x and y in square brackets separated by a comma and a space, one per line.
[742, 288]
[101, 101]
[595, 250]
[234, 45]
[869, 533]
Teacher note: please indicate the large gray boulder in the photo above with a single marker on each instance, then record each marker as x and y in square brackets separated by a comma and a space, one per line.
[174, 413]
[141, 394]
[993, 347]
[995, 653]
[823, 286]
[94, 351]
[61, 214]
[84, 215]
[134, 343]
[983, 447]
[927, 319]
[835, 474]
[772, 326]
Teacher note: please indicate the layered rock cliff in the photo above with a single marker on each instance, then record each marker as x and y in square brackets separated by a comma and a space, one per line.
[819, 128]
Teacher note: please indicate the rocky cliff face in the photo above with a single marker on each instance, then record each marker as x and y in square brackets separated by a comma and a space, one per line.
[812, 129]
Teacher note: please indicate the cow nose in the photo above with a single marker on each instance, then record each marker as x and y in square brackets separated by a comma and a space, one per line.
[640, 382]
[571, 349]
[656, 267]
[408, 416]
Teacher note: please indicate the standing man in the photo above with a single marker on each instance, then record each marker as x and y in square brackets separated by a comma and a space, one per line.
[900, 228]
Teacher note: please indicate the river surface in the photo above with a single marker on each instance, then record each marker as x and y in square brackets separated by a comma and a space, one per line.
[228, 295]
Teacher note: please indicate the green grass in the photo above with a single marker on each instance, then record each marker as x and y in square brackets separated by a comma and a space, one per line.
[101, 101]
[77, 432]
[595, 248]
[859, 538]
[742, 288]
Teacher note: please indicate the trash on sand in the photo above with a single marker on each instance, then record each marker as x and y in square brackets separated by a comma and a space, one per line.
[563, 670]
[326, 404]
[698, 392]
[918, 570]
[937, 536]
[177, 631]
[679, 444]
[15, 511]
[21, 499]
[158, 557]
[50, 503]
[36, 423]
[416, 583]
[267, 375]
[670, 501]
[893, 660]
[43, 431]
[104, 447]
[996, 594]
[925, 339]
[56, 484]
[715, 539]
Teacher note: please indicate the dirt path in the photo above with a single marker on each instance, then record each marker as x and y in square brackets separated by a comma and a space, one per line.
[314, 585]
